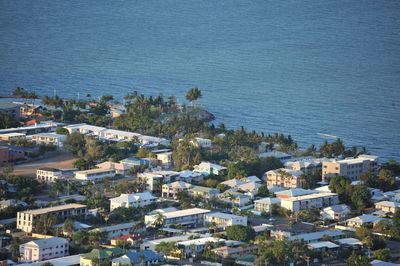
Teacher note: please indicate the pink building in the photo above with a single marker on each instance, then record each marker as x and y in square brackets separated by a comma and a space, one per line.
[44, 249]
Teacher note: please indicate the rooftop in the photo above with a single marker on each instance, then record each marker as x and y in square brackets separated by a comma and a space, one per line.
[133, 197]
[48, 242]
[312, 196]
[317, 235]
[93, 171]
[323, 244]
[186, 212]
[55, 209]
[223, 215]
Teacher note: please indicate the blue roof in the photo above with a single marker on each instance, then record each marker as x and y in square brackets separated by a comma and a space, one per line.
[21, 148]
[135, 257]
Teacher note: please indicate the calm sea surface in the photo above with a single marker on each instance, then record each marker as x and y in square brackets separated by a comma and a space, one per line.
[300, 67]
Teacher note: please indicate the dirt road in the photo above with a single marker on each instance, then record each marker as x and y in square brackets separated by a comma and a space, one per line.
[60, 160]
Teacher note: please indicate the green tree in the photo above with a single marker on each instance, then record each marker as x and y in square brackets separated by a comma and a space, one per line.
[240, 233]
[7, 121]
[382, 254]
[75, 142]
[62, 131]
[193, 95]
[68, 226]
[361, 197]
[45, 224]
[263, 191]
[357, 259]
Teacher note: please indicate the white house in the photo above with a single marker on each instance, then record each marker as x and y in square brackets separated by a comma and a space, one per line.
[196, 246]
[94, 174]
[132, 200]
[44, 249]
[204, 143]
[188, 217]
[364, 220]
[207, 168]
[336, 212]
[319, 200]
[224, 220]
[114, 231]
[47, 174]
[49, 138]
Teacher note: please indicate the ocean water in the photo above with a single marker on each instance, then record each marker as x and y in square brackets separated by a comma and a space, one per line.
[299, 67]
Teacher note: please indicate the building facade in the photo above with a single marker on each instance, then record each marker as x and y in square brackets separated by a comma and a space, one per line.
[47, 174]
[26, 219]
[284, 178]
[94, 174]
[318, 200]
[223, 220]
[44, 249]
[132, 200]
[49, 138]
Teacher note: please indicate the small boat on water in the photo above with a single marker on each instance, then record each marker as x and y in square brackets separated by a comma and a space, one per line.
[327, 135]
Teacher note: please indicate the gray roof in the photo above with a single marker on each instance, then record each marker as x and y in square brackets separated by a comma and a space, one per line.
[317, 235]
[48, 242]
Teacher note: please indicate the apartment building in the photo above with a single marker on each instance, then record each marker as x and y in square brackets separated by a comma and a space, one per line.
[120, 168]
[12, 136]
[318, 200]
[48, 174]
[350, 167]
[306, 165]
[132, 200]
[25, 219]
[44, 249]
[49, 138]
[10, 109]
[284, 178]
[223, 220]
[93, 174]
[117, 230]
[188, 217]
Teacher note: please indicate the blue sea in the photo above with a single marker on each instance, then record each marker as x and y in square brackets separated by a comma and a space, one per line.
[300, 67]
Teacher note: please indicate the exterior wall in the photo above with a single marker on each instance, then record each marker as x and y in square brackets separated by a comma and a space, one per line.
[351, 169]
[286, 181]
[93, 176]
[225, 222]
[33, 253]
[47, 176]
[306, 204]
[25, 219]
[14, 111]
[8, 137]
[4, 155]
[55, 140]
[137, 203]
[171, 192]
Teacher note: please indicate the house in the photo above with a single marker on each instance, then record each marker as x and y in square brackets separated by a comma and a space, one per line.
[306, 165]
[196, 246]
[207, 168]
[12, 136]
[264, 205]
[146, 257]
[351, 167]
[235, 198]
[11, 202]
[388, 206]
[132, 161]
[190, 176]
[336, 212]
[252, 178]
[94, 174]
[44, 126]
[277, 154]
[350, 242]
[223, 220]
[48, 174]
[250, 187]
[120, 168]
[189, 217]
[44, 249]
[26, 219]
[99, 255]
[10, 153]
[117, 230]
[364, 220]
[205, 192]
[382, 263]
[165, 158]
[49, 138]
[10, 109]
[200, 142]
[151, 244]
[132, 200]
[319, 200]
[318, 236]
[234, 252]
[128, 239]
[153, 180]
[171, 190]
[284, 178]
[324, 246]
[233, 183]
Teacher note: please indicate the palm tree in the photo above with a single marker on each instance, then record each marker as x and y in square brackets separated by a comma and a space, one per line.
[192, 95]
[159, 221]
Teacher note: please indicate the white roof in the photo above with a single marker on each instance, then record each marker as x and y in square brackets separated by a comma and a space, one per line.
[386, 203]
[120, 133]
[187, 212]
[337, 208]
[133, 197]
[63, 261]
[211, 165]
[276, 154]
[47, 242]
[188, 173]
[312, 196]
[317, 235]
[365, 218]
[349, 241]
[251, 186]
[295, 192]
[178, 184]
[201, 241]
[233, 182]
[268, 201]
[114, 227]
[382, 263]
[323, 244]
[253, 178]
[13, 134]
[223, 215]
